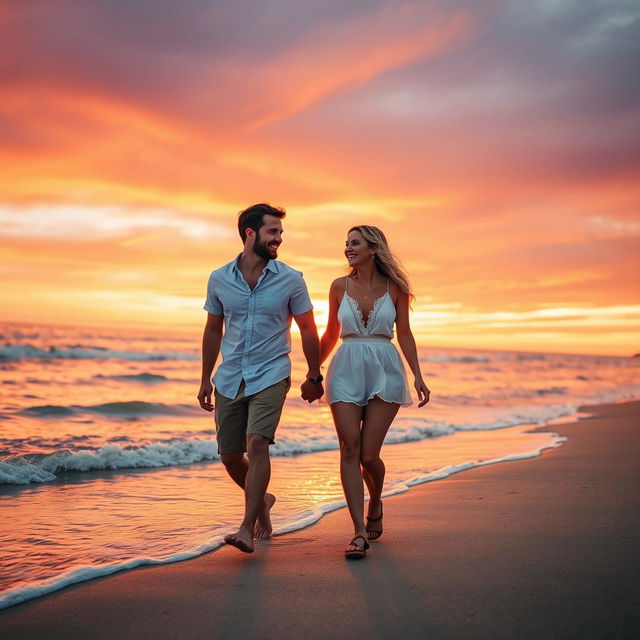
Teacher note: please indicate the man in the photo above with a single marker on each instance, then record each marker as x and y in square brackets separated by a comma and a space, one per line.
[255, 296]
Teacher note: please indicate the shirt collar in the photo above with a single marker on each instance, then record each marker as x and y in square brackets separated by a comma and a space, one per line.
[270, 266]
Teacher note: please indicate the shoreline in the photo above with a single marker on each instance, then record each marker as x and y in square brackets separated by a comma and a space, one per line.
[545, 547]
[297, 521]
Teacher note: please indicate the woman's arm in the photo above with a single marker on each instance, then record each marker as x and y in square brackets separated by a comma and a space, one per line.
[408, 345]
[331, 333]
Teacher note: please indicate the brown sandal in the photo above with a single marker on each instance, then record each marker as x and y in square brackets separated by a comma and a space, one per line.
[359, 551]
[374, 535]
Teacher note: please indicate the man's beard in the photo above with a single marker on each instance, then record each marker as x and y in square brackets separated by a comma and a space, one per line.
[260, 249]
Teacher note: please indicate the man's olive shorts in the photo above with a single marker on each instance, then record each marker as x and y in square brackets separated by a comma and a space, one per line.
[245, 415]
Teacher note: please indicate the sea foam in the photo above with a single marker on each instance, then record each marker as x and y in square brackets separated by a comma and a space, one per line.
[24, 470]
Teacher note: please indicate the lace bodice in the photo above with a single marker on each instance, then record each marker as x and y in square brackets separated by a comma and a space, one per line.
[379, 322]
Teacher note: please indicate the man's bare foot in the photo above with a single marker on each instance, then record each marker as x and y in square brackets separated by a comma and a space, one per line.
[263, 528]
[242, 540]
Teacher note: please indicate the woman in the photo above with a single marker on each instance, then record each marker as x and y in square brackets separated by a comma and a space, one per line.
[366, 381]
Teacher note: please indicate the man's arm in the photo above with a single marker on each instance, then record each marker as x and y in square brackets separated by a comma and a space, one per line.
[210, 349]
[311, 347]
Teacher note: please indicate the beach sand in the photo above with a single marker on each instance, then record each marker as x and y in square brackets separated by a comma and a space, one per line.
[541, 548]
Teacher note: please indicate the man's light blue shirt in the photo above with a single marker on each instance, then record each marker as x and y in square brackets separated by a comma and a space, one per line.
[256, 342]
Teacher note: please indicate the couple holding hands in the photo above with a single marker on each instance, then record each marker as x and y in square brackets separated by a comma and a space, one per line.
[250, 303]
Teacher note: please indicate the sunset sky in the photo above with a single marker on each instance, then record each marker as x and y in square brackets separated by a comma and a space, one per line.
[497, 144]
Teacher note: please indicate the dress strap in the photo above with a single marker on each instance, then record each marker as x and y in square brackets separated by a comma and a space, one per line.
[346, 283]
[387, 285]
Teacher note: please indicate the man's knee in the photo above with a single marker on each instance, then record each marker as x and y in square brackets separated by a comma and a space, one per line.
[232, 460]
[257, 446]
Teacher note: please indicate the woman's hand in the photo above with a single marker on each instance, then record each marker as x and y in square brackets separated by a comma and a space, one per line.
[422, 390]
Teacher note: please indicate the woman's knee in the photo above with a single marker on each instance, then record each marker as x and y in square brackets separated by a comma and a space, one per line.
[370, 459]
[350, 449]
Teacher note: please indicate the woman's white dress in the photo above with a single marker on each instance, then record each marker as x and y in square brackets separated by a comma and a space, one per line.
[367, 364]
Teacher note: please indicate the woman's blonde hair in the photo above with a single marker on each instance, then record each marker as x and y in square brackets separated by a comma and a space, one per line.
[386, 263]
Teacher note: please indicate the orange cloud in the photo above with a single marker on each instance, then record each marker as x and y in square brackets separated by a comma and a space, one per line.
[347, 56]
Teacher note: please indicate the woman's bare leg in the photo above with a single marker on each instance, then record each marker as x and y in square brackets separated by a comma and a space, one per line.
[378, 416]
[347, 418]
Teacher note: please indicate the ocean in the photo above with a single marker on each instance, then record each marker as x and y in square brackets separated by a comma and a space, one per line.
[107, 462]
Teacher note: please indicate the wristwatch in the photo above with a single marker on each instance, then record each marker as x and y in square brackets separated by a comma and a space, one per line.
[317, 379]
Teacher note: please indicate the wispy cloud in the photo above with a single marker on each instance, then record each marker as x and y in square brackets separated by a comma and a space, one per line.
[84, 223]
[347, 55]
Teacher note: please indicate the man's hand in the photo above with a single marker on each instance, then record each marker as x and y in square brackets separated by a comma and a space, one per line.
[311, 391]
[204, 396]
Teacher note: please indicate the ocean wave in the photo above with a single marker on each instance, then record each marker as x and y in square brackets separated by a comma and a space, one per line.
[552, 390]
[495, 357]
[538, 414]
[38, 468]
[133, 408]
[31, 469]
[79, 352]
[487, 398]
[461, 359]
[147, 378]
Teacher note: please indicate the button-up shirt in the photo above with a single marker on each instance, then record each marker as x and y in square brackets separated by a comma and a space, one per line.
[256, 342]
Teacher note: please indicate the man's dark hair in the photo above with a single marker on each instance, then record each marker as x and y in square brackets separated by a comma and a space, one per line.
[252, 217]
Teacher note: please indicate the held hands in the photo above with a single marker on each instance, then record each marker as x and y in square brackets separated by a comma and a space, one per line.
[204, 396]
[311, 391]
[423, 391]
